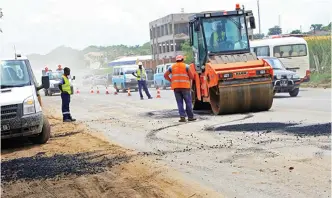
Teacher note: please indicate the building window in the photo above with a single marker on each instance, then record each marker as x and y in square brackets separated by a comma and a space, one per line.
[151, 36]
[181, 28]
[170, 28]
[179, 44]
[166, 29]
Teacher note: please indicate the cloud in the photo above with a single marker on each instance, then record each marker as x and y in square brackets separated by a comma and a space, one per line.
[40, 25]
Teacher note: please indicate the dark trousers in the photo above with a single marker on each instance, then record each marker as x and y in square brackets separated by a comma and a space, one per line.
[65, 106]
[142, 84]
[184, 95]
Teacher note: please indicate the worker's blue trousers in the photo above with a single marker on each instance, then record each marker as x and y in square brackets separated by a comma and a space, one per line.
[65, 97]
[142, 84]
[184, 95]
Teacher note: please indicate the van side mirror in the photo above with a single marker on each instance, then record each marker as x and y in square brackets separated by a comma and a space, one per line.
[252, 22]
[121, 73]
[45, 82]
[73, 78]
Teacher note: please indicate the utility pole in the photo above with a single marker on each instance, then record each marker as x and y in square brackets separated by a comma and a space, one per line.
[279, 21]
[259, 17]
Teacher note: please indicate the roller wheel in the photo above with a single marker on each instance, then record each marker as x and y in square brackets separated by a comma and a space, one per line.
[241, 99]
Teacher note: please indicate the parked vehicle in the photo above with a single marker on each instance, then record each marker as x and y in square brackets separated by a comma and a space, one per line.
[150, 75]
[158, 77]
[123, 79]
[87, 80]
[55, 78]
[292, 52]
[21, 107]
[284, 80]
[100, 80]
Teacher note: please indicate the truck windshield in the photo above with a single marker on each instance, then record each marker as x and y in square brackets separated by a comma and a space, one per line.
[14, 73]
[55, 75]
[226, 34]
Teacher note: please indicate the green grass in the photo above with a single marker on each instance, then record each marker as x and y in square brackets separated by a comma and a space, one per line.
[319, 46]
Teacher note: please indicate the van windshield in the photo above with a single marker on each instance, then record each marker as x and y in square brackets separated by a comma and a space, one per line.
[130, 71]
[14, 73]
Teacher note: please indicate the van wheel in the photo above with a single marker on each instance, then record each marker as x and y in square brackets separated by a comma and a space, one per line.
[44, 136]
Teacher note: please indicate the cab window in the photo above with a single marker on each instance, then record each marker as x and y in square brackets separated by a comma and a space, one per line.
[261, 51]
[293, 50]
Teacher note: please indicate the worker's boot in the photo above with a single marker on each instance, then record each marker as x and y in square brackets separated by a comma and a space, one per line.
[192, 119]
[182, 119]
[67, 120]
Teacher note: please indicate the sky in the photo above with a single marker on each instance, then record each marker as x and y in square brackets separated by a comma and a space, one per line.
[38, 26]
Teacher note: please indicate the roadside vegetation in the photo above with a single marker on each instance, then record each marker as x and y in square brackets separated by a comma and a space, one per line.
[320, 61]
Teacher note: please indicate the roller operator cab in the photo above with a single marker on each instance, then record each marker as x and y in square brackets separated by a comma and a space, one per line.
[228, 77]
[21, 109]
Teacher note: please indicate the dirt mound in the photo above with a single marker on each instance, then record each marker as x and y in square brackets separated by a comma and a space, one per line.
[77, 162]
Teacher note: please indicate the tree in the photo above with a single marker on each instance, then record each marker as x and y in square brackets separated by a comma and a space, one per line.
[188, 52]
[316, 27]
[296, 32]
[258, 36]
[276, 30]
[328, 27]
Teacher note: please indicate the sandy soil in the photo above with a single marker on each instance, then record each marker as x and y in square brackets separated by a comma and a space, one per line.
[77, 162]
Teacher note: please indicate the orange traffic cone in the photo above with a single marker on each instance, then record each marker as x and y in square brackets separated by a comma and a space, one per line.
[158, 93]
[98, 90]
[129, 94]
[77, 91]
[91, 90]
[107, 92]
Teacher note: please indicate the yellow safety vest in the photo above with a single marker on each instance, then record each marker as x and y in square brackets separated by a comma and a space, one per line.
[66, 85]
[139, 75]
[216, 38]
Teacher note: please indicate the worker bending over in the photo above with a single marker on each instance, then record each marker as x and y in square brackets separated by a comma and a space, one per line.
[180, 83]
[65, 89]
[141, 77]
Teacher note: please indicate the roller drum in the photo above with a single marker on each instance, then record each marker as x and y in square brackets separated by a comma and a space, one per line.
[240, 99]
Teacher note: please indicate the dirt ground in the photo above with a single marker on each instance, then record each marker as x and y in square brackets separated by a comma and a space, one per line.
[77, 162]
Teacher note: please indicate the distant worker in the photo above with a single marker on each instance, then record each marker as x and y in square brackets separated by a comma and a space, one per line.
[141, 77]
[180, 83]
[66, 91]
[218, 36]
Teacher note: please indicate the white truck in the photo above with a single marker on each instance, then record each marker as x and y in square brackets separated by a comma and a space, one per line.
[21, 108]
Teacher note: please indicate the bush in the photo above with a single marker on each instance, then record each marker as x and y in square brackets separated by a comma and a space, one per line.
[320, 46]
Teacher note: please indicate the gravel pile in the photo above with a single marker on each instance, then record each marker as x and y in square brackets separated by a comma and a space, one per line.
[44, 167]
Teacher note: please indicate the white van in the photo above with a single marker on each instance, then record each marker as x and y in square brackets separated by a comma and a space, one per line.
[123, 78]
[292, 52]
[21, 108]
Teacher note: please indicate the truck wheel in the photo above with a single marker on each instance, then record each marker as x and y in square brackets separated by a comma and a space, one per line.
[295, 92]
[44, 136]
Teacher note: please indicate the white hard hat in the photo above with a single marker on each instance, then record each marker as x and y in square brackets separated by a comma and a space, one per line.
[140, 63]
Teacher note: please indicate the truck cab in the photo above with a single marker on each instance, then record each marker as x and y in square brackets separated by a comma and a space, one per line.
[21, 108]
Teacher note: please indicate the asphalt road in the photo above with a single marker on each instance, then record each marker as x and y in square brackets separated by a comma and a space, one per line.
[284, 152]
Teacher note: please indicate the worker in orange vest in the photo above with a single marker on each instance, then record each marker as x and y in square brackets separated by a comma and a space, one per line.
[180, 83]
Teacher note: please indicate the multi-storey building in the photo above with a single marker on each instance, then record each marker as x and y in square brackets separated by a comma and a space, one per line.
[167, 34]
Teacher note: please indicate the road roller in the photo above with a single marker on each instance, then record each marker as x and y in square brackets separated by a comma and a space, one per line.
[228, 77]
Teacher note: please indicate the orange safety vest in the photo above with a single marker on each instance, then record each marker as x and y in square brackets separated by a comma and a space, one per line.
[180, 77]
